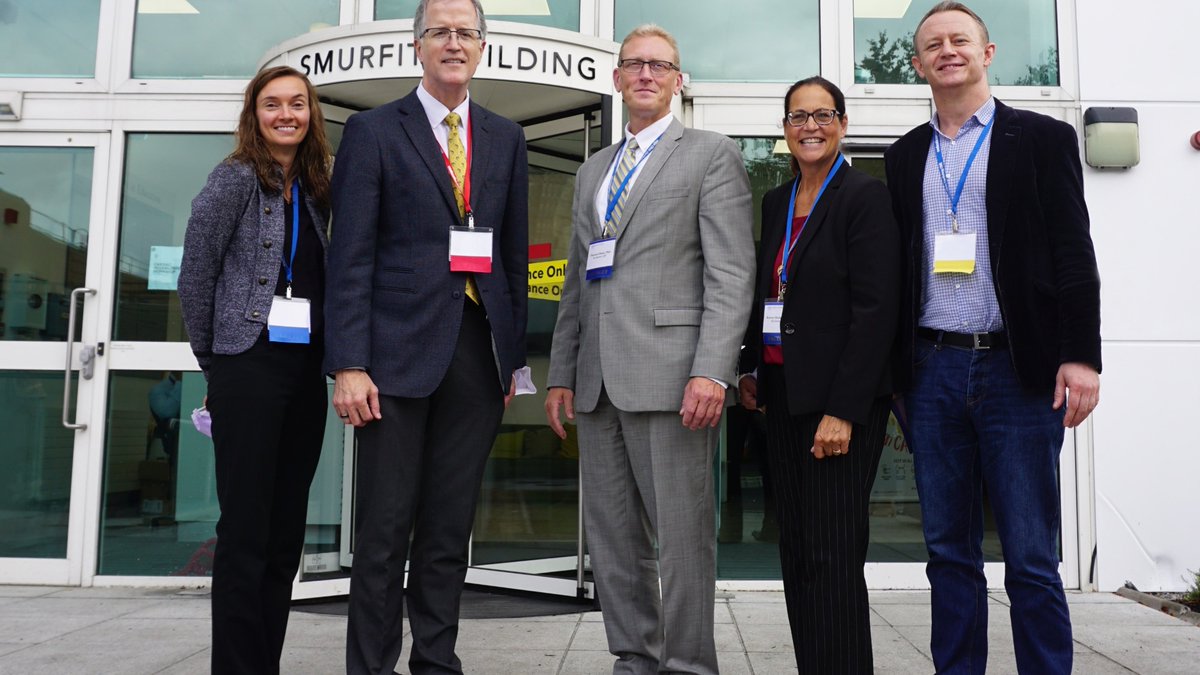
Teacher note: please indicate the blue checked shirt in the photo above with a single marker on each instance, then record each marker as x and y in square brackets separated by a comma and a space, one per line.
[960, 303]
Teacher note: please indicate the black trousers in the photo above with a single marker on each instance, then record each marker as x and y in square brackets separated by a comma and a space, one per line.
[823, 508]
[268, 407]
[418, 472]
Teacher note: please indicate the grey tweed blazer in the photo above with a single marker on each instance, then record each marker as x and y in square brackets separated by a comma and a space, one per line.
[231, 259]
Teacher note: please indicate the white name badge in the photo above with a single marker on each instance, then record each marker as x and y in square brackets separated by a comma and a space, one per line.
[954, 253]
[601, 254]
[772, 316]
[290, 320]
[471, 249]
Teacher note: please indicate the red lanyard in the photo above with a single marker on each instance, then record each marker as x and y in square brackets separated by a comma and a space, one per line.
[465, 188]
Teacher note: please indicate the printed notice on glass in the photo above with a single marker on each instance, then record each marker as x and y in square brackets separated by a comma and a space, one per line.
[163, 274]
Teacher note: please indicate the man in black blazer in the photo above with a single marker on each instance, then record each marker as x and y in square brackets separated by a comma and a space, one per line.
[425, 332]
[999, 341]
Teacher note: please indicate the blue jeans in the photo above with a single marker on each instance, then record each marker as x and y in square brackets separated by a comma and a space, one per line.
[971, 423]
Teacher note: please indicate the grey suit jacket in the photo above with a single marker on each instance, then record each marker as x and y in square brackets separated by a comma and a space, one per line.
[677, 303]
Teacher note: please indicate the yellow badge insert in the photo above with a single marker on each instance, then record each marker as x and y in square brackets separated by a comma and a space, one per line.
[954, 253]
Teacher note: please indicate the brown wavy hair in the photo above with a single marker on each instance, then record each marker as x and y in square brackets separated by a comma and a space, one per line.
[312, 164]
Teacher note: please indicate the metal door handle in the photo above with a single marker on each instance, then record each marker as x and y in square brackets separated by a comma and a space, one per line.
[88, 359]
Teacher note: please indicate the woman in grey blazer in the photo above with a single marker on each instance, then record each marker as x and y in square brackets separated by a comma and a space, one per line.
[252, 289]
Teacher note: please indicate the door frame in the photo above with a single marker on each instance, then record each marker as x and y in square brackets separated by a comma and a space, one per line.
[90, 395]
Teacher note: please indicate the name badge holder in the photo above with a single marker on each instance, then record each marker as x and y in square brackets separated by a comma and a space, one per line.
[471, 248]
[772, 317]
[601, 254]
[954, 252]
[290, 319]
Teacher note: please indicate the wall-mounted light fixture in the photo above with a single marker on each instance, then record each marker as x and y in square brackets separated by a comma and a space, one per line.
[1110, 137]
[10, 105]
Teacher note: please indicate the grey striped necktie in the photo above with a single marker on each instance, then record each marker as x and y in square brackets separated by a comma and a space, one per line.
[623, 169]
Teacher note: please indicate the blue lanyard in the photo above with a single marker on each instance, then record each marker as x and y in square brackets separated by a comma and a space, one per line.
[962, 179]
[287, 265]
[612, 203]
[788, 244]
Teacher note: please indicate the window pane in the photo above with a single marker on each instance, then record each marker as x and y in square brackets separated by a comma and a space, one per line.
[1025, 32]
[36, 453]
[160, 496]
[163, 173]
[218, 38]
[45, 203]
[741, 49]
[49, 39]
[554, 13]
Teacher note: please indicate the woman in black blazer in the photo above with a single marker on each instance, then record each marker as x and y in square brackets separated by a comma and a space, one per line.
[816, 359]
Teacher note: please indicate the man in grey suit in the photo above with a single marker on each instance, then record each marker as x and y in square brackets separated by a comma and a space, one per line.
[656, 299]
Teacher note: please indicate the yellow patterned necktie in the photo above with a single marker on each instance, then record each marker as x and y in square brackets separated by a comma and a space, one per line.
[458, 164]
[623, 169]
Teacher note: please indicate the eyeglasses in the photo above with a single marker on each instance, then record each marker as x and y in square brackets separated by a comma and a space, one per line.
[657, 68]
[823, 117]
[442, 34]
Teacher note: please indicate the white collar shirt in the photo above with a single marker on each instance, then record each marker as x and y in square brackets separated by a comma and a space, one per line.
[645, 139]
[436, 111]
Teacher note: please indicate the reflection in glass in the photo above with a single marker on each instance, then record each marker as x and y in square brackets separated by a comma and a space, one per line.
[163, 173]
[553, 13]
[746, 49]
[45, 204]
[219, 38]
[529, 503]
[36, 455]
[160, 510]
[49, 39]
[1025, 31]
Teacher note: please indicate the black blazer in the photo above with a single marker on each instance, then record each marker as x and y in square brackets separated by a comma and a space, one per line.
[839, 314]
[392, 305]
[1043, 261]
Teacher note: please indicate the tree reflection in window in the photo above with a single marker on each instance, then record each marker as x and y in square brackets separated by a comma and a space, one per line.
[1025, 32]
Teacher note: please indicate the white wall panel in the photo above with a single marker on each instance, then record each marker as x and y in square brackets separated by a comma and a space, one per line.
[1144, 224]
[1146, 463]
[1138, 52]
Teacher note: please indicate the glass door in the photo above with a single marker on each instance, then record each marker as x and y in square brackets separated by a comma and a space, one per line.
[528, 525]
[52, 189]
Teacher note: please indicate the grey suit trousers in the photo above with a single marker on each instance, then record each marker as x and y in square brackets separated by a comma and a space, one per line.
[647, 479]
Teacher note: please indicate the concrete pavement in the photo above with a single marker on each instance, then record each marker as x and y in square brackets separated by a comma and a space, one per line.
[128, 631]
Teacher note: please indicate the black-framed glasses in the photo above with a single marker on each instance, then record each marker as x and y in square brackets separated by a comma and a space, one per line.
[442, 34]
[657, 68]
[822, 116]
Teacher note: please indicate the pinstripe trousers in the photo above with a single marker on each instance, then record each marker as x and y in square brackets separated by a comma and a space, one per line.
[822, 505]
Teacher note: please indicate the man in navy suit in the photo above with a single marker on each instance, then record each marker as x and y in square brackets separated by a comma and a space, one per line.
[999, 341]
[425, 332]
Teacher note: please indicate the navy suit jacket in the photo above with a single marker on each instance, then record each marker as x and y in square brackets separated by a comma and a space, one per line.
[1043, 261]
[839, 314]
[392, 305]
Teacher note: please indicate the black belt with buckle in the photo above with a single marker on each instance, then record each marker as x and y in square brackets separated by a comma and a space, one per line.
[997, 340]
